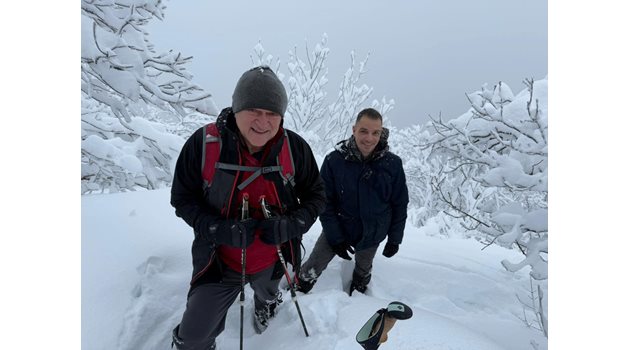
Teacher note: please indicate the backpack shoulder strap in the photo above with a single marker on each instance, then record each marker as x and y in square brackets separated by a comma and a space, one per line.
[285, 166]
[285, 159]
[211, 153]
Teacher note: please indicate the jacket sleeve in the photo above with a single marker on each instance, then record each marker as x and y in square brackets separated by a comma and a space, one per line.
[309, 187]
[400, 199]
[187, 189]
[330, 221]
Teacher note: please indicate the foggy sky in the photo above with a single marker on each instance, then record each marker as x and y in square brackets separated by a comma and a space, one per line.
[423, 54]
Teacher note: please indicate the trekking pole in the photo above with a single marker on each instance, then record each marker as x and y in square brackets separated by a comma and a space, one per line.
[267, 214]
[244, 216]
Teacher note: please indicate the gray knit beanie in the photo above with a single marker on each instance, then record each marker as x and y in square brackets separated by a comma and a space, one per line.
[259, 87]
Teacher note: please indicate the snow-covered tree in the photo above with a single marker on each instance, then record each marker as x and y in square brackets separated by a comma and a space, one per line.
[120, 69]
[264, 59]
[500, 146]
[306, 88]
[343, 111]
[117, 155]
[310, 112]
[384, 106]
[405, 143]
[494, 171]
[132, 98]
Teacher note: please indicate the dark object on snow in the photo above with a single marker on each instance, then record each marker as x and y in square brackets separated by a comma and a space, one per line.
[374, 331]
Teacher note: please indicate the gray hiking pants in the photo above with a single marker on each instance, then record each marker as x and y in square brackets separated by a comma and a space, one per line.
[322, 254]
[207, 306]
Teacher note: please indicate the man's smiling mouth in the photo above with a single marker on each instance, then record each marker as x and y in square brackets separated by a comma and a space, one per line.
[259, 132]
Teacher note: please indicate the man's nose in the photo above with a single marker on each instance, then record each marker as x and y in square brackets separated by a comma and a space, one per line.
[262, 117]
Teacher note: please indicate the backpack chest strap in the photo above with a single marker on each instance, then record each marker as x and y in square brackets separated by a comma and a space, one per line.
[212, 151]
[257, 171]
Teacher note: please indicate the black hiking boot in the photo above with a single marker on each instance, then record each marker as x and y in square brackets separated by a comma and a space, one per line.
[177, 342]
[359, 284]
[266, 312]
[305, 286]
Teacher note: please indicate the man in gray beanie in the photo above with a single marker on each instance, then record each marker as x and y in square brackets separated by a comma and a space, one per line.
[225, 172]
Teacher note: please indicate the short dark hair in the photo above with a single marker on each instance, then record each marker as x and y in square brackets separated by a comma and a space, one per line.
[370, 113]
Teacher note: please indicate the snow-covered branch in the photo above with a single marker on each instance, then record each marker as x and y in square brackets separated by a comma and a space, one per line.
[536, 304]
[118, 61]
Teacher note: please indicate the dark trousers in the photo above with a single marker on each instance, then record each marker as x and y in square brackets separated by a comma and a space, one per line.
[322, 254]
[207, 306]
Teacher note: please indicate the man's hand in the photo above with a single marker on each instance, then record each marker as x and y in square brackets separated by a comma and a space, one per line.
[390, 249]
[280, 229]
[230, 232]
[342, 249]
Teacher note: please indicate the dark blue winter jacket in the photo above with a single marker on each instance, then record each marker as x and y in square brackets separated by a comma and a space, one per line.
[366, 200]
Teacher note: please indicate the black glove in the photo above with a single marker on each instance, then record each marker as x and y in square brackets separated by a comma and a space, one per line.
[230, 232]
[390, 249]
[342, 250]
[279, 229]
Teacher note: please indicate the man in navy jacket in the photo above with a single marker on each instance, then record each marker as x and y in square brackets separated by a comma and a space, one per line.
[366, 202]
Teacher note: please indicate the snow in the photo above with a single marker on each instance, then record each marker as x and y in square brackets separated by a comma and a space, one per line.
[88, 46]
[136, 267]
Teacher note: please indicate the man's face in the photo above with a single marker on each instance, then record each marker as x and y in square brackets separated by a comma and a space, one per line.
[257, 126]
[367, 132]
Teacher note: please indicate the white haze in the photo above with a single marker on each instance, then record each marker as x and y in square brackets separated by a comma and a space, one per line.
[423, 54]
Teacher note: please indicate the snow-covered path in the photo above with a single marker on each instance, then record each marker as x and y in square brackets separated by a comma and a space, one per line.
[136, 267]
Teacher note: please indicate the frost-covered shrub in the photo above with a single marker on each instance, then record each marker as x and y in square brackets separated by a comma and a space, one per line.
[321, 119]
[136, 105]
[494, 169]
